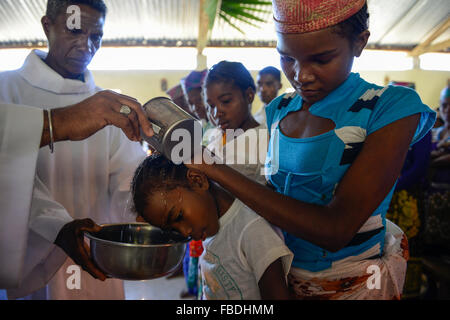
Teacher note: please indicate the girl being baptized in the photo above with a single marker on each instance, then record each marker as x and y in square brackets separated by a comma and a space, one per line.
[244, 258]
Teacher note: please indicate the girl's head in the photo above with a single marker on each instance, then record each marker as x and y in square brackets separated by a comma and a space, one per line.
[172, 196]
[229, 91]
[317, 45]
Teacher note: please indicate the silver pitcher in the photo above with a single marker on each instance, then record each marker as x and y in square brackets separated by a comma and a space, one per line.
[178, 135]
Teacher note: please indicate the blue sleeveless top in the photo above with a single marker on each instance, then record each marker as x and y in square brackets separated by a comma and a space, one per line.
[309, 169]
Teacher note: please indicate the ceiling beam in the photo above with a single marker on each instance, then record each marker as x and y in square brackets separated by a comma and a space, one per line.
[426, 46]
[439, 46]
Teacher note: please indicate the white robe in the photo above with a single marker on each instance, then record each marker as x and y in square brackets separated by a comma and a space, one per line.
[19, 146]
[90, 178]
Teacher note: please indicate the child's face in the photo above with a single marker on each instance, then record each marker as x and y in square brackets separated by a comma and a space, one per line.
[229, 105]
[316, 63]
[192, 212]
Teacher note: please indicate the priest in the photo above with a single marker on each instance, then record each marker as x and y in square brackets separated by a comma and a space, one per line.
[88, 178]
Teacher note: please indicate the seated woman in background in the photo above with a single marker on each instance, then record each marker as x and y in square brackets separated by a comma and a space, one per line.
[244, 258]
[440, 156]
[437, 219]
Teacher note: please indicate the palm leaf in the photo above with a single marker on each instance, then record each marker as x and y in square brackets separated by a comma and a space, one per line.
[255, 2]
[242, 10]
[211, 11]
[242, 14]
[241, 18]
[224, 17]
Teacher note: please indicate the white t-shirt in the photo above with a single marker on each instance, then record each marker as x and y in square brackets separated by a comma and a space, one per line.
[246, 153]
[234, 260]
[260, 115]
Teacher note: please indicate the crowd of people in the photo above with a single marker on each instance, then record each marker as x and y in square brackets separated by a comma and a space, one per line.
[305, 221]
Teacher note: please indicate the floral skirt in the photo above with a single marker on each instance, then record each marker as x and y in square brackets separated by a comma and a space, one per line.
[354, 278]
[437, 217]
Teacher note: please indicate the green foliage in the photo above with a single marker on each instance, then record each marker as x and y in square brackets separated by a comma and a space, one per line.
[243, 10]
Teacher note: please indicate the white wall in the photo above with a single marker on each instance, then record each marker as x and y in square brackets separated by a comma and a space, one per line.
[144, 85]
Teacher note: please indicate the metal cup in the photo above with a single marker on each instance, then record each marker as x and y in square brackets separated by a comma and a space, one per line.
[177, 134]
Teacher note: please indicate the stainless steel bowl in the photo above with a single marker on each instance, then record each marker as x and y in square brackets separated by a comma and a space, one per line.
[136, 251]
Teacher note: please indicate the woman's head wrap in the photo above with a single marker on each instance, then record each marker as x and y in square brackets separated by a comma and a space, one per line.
[300, 16]
[175, 92]
[195, 79]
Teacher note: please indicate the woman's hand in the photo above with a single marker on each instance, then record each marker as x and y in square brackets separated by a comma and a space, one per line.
[204, 161]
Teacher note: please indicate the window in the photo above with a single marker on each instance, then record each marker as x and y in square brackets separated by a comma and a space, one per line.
[164, 58]
[435, 61]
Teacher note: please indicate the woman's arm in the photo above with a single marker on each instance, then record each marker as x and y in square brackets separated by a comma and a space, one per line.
[360, 192]
[272, 284]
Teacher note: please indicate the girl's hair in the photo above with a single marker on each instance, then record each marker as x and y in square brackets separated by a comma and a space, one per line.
[235, 72]
[155, 173]
[354, 25]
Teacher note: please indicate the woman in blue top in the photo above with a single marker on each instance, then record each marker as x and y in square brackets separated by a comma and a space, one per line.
[337, 146]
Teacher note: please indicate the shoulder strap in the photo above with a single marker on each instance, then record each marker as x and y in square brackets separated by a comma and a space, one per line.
[284, 102]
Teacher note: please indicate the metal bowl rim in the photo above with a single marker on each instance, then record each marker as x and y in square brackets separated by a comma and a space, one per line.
[122, 244]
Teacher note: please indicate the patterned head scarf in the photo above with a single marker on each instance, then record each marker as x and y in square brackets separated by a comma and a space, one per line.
[195, 79]
[300, 16]
[175, 92]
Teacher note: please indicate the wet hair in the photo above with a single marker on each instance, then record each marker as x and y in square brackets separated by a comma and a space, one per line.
[56, 7]
[234, 72]
[354, 25]
[155, 173]
[272, 71]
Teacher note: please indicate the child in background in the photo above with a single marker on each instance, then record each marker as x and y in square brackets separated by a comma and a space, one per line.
[229, 91]
[268, 85]
[244, 257]
[192, 86]
[176, 93]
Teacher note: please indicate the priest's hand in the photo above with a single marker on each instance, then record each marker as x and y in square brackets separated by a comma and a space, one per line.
[71, 239]
[79, 121]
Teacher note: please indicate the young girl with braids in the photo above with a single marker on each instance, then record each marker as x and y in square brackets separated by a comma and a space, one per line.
[337, 145]
[243, 257]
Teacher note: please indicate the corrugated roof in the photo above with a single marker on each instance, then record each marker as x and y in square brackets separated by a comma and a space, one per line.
[393, 24]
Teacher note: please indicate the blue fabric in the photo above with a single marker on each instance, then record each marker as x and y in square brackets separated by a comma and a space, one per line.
[309, 169]
[415, 168]
[189, 272]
